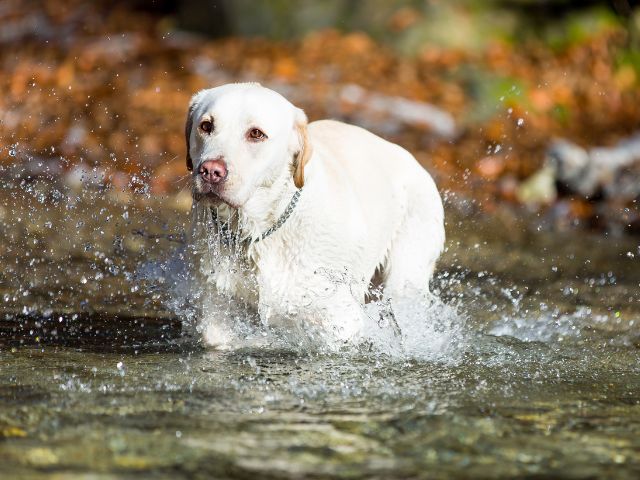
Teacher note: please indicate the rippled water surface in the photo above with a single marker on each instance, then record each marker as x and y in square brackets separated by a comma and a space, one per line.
[101, 371]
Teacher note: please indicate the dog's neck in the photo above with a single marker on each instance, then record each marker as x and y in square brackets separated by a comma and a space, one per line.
[266, 205]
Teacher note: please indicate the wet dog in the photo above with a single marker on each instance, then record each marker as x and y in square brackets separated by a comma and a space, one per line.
[312, 210]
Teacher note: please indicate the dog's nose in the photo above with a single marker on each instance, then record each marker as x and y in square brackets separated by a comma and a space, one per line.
[213, 171]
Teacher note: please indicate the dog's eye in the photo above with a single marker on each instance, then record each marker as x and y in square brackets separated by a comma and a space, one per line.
[206, 126]
[257, 134]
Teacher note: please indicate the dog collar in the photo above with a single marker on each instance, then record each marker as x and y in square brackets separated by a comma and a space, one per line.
[283, 218]
[232, 237]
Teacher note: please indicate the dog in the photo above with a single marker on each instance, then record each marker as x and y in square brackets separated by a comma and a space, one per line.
[313, 211]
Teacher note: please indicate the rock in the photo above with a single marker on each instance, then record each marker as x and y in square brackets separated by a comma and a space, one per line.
[614, 171]
[391, 112]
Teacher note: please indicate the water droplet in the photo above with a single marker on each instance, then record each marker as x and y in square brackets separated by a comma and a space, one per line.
[520, 122]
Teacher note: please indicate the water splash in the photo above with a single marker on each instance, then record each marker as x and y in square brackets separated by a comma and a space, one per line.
[429, 329]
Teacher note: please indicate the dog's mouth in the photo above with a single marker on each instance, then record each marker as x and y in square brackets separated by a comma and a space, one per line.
[203, 190]
[211, 197]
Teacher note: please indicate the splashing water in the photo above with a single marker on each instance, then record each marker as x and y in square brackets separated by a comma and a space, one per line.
[542, 354]
[429, 329]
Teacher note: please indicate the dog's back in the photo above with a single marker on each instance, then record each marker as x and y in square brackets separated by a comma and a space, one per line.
[386, 202]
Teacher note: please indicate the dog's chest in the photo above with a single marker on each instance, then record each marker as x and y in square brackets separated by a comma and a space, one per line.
[254, 276]
[234, 276]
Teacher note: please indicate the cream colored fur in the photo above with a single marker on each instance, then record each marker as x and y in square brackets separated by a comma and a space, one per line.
[366, 206]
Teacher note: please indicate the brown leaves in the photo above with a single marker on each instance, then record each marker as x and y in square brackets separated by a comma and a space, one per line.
[110, 86]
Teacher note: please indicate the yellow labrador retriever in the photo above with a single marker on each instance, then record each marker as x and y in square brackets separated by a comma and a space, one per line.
[312, 210]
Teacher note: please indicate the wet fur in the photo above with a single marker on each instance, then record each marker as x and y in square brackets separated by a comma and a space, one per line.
[367, 206]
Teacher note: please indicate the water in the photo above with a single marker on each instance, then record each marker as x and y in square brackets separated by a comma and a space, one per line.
[531, 365]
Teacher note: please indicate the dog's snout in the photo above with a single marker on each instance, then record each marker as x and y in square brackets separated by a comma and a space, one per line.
[213, 171]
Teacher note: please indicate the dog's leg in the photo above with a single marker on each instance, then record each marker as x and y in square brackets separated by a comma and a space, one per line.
[324, 306]
[408, 269]
[215, 324]
[345, 315]
[412, 258]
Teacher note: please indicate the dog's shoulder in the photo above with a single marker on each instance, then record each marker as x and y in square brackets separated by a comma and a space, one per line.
[329, 128]
[354, 142]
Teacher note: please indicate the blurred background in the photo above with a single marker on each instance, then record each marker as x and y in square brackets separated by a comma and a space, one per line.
[517, 107]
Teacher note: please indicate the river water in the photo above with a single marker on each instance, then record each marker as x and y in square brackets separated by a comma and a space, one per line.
[531, 365]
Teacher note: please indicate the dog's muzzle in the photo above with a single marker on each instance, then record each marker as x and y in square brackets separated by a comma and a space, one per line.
[213, 171]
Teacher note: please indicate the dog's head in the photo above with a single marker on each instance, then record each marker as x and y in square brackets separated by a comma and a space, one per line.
[241, 137]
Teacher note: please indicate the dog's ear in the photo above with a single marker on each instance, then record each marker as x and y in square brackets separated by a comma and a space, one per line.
[187, 132]
[303, 150]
